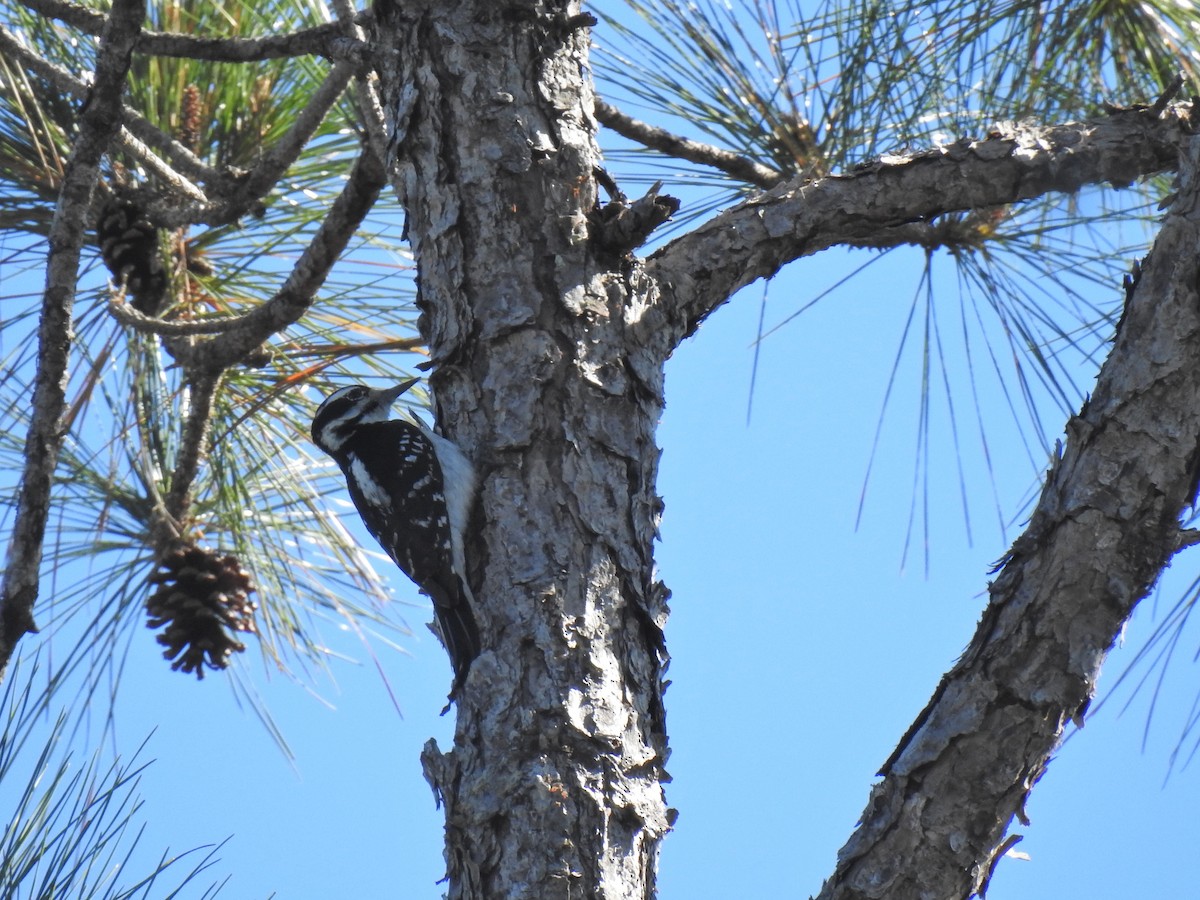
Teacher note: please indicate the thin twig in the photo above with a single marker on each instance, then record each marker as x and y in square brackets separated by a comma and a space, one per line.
[192, 445]
[345, 351]
[367, 85]
[730, 163]
[97, 127]
[154, 163]
[297, 293]
[130, 317]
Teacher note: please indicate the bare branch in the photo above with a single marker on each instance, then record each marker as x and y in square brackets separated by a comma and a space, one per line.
[740, 167]
[76, 14]
[323, 40]
[150, 159]
[245, 334]
[131, 318]
[192, 448]
[701, 270]
[98, 127]
[1094, 547]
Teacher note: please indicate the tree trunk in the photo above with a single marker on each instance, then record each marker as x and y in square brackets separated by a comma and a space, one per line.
[553, 788]
[549, 348]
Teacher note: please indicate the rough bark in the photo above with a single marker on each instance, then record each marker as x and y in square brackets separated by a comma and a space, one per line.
[549, 344]
[549, 353]
[699, 271]
[553, 788]
[1106, 525]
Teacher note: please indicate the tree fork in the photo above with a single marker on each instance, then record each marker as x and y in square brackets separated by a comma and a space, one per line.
[1107, 523]
[554, 785]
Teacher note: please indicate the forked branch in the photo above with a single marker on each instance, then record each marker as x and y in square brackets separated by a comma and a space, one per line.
[243, 334]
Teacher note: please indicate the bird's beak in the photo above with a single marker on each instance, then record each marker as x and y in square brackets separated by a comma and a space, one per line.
[387, 397]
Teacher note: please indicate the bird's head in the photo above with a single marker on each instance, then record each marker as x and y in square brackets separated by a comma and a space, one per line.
[347, 408]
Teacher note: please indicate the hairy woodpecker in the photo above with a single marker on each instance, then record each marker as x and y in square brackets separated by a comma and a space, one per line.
[414, 490]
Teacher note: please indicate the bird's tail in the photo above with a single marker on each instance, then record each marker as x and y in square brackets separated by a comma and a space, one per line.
[458, 630]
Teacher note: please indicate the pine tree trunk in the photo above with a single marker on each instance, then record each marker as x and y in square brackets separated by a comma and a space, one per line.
[549, 348]
[553, 788]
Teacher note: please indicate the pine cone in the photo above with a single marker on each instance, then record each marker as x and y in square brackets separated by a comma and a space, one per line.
[191, 115]
[203, 598]
[129, 247]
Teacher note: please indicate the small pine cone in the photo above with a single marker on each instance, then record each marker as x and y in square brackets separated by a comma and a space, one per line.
[129, 247]
[190, 116]
[202, 598]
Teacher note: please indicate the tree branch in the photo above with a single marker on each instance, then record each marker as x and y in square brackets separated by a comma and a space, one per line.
[181, 186]
[243, 191]
[98, 126]
[366, 86]
[740, 167]
[238, 336]
[1107, 523]
[140, 322]
[192, 450]
[243, 334]
[701, 270]
[75, 14]
[140, 132]
[322, 40]
[256, 184]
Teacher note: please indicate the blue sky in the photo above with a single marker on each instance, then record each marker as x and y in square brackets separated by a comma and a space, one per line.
[803, 644]
[801, 651]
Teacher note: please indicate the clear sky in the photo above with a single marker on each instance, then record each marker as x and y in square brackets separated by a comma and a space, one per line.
[802, 647]
[801, 651]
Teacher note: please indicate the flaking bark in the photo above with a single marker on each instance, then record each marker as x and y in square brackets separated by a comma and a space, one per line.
[549, 340]
[553, 788]
[549, 353]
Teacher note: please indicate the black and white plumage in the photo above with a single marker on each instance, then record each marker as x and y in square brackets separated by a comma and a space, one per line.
[414, 490]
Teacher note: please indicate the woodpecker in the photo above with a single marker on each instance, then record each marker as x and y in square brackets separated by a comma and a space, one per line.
[414, 490]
